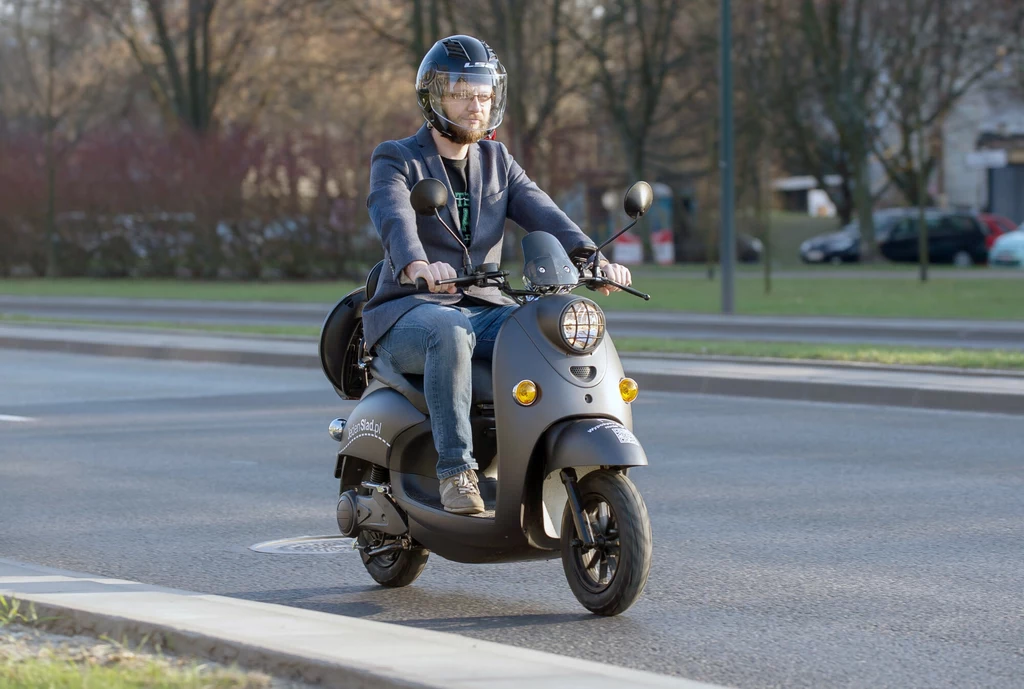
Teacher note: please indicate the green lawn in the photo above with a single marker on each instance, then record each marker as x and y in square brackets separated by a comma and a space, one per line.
[965, 297]
[960, 297]
[787, 231]
[180, 289]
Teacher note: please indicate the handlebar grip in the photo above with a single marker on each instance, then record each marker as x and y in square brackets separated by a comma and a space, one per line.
[421, 283]
[636, 293]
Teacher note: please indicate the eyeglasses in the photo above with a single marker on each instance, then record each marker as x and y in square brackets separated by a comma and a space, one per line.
[466, 96]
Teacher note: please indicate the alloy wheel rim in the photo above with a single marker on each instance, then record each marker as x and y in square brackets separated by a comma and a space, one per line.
[596, 567]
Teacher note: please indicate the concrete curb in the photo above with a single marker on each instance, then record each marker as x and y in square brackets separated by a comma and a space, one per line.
[824, 363]
[953, 390]
[292, 643]
[219, 356]
[839, 393]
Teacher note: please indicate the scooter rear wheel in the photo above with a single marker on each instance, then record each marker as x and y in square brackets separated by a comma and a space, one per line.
[393, 570]
[609, 578]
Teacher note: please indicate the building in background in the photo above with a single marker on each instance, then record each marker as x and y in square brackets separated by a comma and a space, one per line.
[983, 152]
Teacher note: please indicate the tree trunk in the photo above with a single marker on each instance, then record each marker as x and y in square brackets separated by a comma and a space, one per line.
[52, 269]
[922, 225]
[864, 202]
[762, 211]
[711, 236]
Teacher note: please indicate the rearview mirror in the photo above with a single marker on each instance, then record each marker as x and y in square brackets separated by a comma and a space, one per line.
[638, 199]
[428, 195]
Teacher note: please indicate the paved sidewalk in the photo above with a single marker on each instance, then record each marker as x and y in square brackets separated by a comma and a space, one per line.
[952, 389]
[316, 647]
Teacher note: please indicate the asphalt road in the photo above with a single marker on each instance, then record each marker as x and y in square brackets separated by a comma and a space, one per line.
[796, 545]
[671, 325]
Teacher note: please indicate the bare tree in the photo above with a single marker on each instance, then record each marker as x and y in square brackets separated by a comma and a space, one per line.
[755, 51]
[191, 52]
[643, 55]
[1017, 33]
[940, 49]
[411, 26]
[650, 64]
[53, 84]
[826, 66]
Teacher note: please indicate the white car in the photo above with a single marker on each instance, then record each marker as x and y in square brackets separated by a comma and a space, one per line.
[1008, 250]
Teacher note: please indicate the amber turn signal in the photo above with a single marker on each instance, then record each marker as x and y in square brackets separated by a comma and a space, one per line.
[525, 392]
[628, 389]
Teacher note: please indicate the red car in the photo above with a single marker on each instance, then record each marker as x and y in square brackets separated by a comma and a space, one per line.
[995, 226]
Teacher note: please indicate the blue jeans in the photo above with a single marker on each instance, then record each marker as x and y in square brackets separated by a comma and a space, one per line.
[439, 343]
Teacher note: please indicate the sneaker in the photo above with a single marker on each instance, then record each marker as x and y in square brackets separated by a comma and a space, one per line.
[460, 494]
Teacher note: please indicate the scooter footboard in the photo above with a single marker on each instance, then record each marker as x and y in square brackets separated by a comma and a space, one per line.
[588, 442]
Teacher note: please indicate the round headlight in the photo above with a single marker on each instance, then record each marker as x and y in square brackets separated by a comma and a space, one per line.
[582, 325]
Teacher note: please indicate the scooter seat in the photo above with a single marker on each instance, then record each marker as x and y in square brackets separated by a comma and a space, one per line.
[411, 386]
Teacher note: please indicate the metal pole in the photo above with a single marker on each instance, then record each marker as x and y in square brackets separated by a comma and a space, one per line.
[727, 237]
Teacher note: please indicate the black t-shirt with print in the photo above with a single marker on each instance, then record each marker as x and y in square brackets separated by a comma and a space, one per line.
[456, 170]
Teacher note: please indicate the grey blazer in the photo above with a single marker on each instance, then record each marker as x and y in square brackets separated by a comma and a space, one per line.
[498, 189]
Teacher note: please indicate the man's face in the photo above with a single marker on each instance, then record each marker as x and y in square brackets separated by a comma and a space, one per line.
[468, 105]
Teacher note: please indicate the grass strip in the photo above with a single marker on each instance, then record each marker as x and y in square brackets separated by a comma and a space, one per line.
[903, 297]
[892, 355]
[32, 658]
[213, 328]
[57, 673]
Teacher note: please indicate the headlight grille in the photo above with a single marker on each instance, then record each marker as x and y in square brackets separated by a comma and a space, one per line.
[582, 326]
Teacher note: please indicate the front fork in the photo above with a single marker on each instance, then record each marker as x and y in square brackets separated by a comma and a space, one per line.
[583, 528]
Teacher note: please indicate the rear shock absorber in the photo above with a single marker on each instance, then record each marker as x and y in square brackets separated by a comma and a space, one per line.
[378, 474]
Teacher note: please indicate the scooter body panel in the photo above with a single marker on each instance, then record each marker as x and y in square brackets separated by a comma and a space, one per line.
[577, 392]
[380, 417]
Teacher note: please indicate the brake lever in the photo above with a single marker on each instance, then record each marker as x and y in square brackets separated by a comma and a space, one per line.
[464, 279]
[595, 282]
[421, 283]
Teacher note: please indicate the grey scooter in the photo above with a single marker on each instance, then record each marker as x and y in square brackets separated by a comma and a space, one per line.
[552, 433]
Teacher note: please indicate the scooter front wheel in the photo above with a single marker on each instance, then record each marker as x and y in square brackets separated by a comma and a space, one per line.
[394, 569]
[608, 578]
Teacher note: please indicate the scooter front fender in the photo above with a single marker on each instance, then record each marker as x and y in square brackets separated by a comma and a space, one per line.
[591, 442]
[585, 445]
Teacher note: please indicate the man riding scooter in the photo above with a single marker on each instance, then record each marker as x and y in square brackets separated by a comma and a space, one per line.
[461, 90]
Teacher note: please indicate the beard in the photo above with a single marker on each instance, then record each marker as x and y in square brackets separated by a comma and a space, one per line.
[461, 135]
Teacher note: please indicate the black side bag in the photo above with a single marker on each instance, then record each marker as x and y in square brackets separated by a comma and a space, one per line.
[341, 344]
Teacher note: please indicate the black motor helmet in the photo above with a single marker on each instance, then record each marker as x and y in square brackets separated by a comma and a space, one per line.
[460, 67]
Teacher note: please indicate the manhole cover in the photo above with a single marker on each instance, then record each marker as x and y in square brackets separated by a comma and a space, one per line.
[307, 545]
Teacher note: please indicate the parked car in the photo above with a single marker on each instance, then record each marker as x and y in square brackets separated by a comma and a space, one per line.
[997, 226]
[748, 248]
[844, 246]
[1008, 250]
[953, 237]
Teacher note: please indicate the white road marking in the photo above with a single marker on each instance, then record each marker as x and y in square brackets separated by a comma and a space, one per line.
[15, 419]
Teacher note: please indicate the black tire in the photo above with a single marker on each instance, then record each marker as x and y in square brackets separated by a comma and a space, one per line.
[963, 259]
[607, 581]
[393, 570]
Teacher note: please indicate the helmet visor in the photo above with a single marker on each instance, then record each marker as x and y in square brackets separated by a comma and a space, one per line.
[472, 100]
